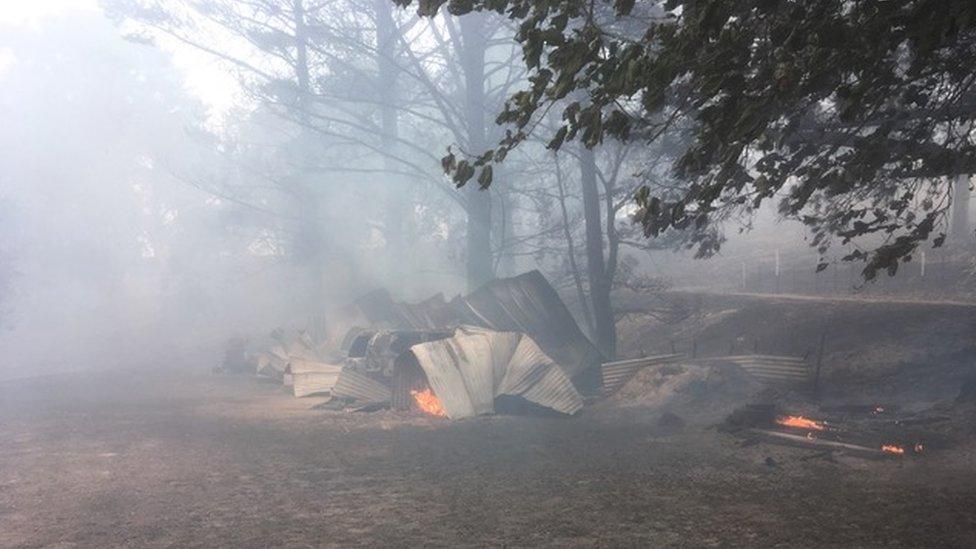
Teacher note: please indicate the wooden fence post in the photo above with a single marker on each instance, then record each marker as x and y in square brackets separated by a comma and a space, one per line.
[816, 374]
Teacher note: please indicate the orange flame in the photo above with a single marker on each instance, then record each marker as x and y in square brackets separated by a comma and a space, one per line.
[892, 449]
[801, 423]
[428, 402]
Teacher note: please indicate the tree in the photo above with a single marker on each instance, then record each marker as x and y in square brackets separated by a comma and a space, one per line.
[961, 231]
[88, 212]
[368, 81]
[576, 195]
[856, 116]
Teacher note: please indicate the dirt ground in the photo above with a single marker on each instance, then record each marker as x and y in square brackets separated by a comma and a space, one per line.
[134, 459]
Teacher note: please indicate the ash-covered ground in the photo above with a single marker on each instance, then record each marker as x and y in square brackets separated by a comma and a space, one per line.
[170, 459]
[98, 461]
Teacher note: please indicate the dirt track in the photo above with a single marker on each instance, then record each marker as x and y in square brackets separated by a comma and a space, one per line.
[216, 461]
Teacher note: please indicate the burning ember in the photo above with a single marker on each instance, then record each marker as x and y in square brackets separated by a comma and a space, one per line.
[428, 402]
[800, 422]
[892, 449]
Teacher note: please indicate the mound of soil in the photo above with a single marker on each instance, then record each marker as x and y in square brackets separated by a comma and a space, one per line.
[690, 390]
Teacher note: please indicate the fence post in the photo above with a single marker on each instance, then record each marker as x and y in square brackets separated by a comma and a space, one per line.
[777, 271]
[820, 351]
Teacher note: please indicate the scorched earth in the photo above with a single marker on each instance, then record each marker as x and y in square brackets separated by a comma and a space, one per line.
[97, 460]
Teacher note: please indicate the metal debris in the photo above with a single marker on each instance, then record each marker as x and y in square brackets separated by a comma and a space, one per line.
[528, 304]
[469, 371]
[361, 388]
[311, 377]
[772, 370]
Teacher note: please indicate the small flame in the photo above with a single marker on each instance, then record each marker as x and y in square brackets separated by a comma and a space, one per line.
[892, 449]
[879, 409]
[801, 423]
[919, 447]
[428, 402]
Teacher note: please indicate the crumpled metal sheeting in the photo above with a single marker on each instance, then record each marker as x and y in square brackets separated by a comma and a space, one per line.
[447, 364]
[379, 309]
[467, 372]
[554, 391]
[528, 304]
[309, 377]
[313, 383]
[303, 366]
[354, 385]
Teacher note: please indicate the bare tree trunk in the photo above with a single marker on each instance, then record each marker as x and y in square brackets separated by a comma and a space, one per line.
[571, 248]
[504, 231]
[396, 196]
[606, 330]
[960, 230]
[311, 243]
[473, 46]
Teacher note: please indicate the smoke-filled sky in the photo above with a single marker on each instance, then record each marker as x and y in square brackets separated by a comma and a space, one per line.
[155, 197]
[204, 77]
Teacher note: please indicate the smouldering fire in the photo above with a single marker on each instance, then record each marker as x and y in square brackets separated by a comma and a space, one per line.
[428, 402]
[892, 449]
[801, 422]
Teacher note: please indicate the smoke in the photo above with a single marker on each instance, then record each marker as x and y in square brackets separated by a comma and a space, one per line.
[135, 234]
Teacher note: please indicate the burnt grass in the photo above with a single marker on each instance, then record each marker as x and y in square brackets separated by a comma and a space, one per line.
[137, 459]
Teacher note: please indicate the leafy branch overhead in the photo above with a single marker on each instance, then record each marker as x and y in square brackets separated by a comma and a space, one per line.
[854, 116]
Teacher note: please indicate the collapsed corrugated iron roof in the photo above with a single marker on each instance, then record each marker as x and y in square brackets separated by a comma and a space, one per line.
[470, 370]
[518, 339]
[527, 303]
[311, 377]
[378, 309]
[360, 387]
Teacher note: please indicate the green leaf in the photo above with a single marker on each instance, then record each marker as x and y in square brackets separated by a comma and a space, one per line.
[623, 7]
[557, 140]
[484, 178]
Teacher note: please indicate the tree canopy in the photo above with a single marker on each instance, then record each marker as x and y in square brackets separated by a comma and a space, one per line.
[853, 115]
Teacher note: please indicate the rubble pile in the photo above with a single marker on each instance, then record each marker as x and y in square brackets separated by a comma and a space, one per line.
[511, 337]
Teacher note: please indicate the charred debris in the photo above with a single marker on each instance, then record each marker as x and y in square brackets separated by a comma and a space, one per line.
[512, 341]
[513, 345]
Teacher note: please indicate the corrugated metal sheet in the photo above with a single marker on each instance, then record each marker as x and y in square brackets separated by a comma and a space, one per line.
[407, 376]
[383, 347]
[303, 366]
[352, 384]
[313, 383]
[528, 304]
[467, 372]
[770, 369]
[379, 309]
[616, 374]
[272, 364]
[525, 303]
[309, 377]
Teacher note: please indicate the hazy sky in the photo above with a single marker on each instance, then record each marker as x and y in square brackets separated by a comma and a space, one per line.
[205, 77]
